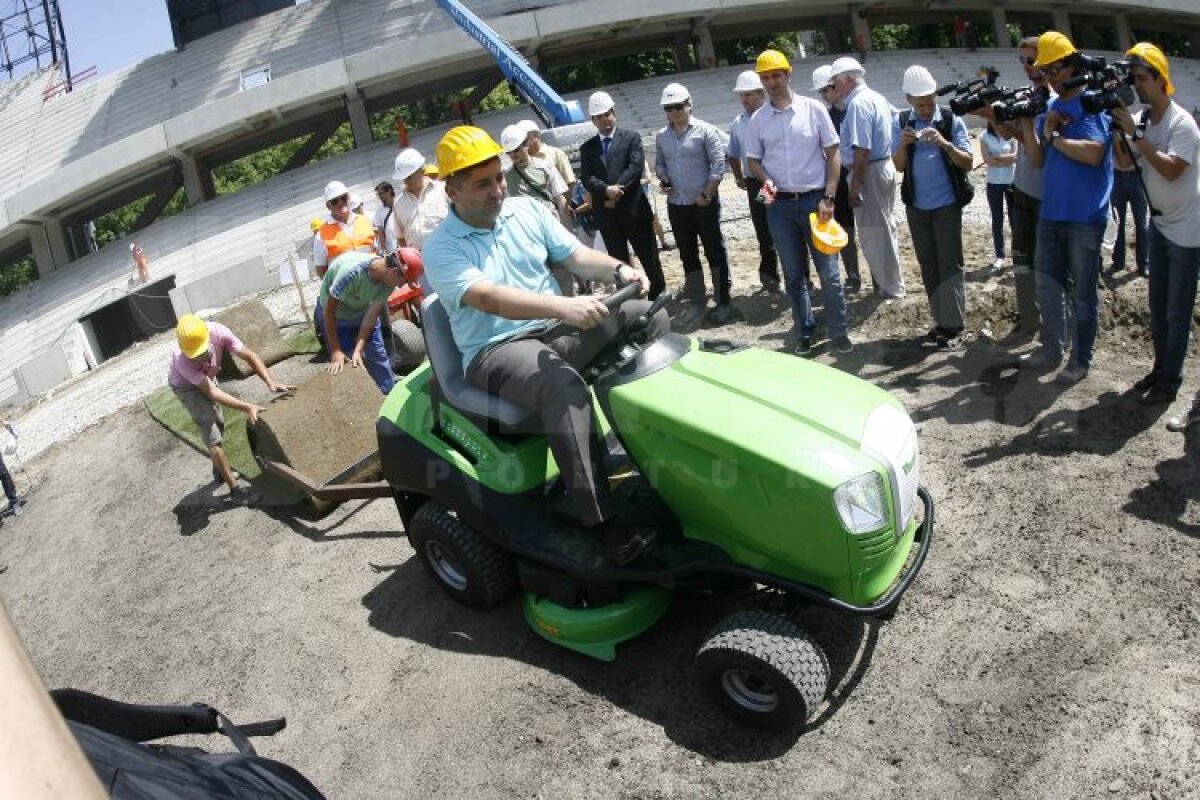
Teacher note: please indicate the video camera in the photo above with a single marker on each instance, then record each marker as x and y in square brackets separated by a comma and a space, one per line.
[970, 96]
[1028, 101]
[1108, 86]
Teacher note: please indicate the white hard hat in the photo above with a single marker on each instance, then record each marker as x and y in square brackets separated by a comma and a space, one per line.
[599, 103]
[918, 82]
[407, 162]
[512, 137]
[748, 81]
[529, 126]
[335, 189]
[822, 77]
[674, 93]
[845, 65]
[355, 201]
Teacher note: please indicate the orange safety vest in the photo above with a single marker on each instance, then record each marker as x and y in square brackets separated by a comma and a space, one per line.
[337, 241]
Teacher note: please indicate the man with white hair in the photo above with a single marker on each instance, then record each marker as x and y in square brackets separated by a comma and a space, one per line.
[611, 167]
[548, 154]
[529, 178]
[689, 160]
[866, 149]
[422, 206]
[931, 148]
[749, 90]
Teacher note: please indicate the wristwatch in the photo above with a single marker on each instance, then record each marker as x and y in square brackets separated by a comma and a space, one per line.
[1054, 137]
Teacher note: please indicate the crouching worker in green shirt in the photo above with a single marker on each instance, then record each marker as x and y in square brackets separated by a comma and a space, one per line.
[353, 293]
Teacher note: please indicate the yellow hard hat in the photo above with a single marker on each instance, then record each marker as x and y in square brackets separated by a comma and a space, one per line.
[828, 237]
[771, 60]
[464, 146]
[431, 170]
[193, 335]
[315, 224]
[1053, 46]
[1154, 58]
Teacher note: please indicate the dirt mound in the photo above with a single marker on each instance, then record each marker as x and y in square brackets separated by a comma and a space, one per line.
[253, 324]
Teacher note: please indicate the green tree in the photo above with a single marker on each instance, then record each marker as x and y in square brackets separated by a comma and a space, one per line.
[17, 273]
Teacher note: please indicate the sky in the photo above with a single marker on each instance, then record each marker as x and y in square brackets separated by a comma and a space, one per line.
[111, 34]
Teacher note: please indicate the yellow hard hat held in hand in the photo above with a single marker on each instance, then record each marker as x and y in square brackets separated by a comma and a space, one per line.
[828, 237]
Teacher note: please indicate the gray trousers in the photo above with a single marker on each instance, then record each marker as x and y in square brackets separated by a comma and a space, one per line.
[876, 224]
[937, 240]
[545, 377]
[1025, 211]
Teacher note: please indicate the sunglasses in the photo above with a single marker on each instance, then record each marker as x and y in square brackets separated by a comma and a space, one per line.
[674, 107]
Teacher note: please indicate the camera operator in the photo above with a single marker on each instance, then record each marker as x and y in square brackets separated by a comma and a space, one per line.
[1073, 150]
[1026, 198]
[1166, 144]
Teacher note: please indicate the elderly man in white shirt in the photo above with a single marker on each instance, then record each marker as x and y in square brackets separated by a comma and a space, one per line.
[422, 206]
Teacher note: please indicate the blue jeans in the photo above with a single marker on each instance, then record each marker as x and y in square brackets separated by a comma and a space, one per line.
[999, 195]
[1069, 251]
[1173, 274]
[1127, 192]
[375, 357]
[788, 220]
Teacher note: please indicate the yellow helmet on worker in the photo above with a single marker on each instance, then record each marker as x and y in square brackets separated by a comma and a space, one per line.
[771, 61]
[464, 146]
[1149, 55]
[192, 333]
[1053, 46]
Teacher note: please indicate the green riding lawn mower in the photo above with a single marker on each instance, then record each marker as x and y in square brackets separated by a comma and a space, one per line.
[754, 468]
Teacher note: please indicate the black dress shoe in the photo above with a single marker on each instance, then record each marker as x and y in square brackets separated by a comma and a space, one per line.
[1145, 383]
[1157, 396]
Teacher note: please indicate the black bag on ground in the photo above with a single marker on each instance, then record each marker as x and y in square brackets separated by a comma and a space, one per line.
[112, 734]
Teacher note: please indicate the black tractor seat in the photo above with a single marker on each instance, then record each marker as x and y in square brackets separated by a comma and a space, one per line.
[497, 414]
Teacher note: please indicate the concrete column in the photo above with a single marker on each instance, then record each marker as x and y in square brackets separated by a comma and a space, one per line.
[56, 237]
[1000, 26]
[193, 181]
[1062, 21]
[360, 123]
[831, 36]
[682, 51]
[42, 256]
[1124, 32]
[860, 30]
[706, 54]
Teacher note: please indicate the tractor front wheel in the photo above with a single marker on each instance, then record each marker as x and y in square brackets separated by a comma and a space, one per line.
[763, 670]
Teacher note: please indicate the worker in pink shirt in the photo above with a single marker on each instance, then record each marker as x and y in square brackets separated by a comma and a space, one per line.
[195, 362]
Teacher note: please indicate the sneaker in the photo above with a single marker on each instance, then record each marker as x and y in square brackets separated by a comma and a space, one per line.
[15, 508]
[1145, 383]
[843, 345]
[1039, 361]
[1157, 396]
[804, 347]
[1182, 422]
[218, 479]
[950, 342]
[997, 266]
[1071, 374]
[722, 314]
[853, 285]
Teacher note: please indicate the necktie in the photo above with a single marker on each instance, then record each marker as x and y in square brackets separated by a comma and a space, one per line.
[604, 145]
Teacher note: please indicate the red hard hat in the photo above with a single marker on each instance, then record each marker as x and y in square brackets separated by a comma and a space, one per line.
[409, 258]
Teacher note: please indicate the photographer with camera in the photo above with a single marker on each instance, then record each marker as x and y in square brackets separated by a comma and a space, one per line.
[930, 146]
[1166, 146]
[1073, 149]
[1015, 118]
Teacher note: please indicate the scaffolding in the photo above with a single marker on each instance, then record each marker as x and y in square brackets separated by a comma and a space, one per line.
[31, 31]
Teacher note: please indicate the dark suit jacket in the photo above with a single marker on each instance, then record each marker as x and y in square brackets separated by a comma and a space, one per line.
[623, 165]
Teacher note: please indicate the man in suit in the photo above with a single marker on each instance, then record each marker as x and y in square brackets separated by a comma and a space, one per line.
[611, 166]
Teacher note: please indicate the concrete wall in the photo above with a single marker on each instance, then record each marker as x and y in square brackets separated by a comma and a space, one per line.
[218, 288]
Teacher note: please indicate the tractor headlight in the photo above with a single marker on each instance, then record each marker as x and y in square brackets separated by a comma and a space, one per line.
[862, 503]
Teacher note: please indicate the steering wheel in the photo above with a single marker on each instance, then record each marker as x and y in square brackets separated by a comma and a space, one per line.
[612, 302]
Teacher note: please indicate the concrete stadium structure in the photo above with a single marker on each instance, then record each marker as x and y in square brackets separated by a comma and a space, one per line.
[167, 121]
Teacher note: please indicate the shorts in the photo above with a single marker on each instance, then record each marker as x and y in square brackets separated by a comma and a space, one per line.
[208, 416]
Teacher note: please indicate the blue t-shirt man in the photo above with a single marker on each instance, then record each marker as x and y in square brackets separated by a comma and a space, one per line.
[514, 253]
[1074, 191]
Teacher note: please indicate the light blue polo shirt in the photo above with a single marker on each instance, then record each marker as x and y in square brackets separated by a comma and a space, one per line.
[867, 126]
[932, 188]
[516, 252]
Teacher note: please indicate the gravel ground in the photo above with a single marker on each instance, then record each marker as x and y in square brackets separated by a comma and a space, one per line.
[1051, 648]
